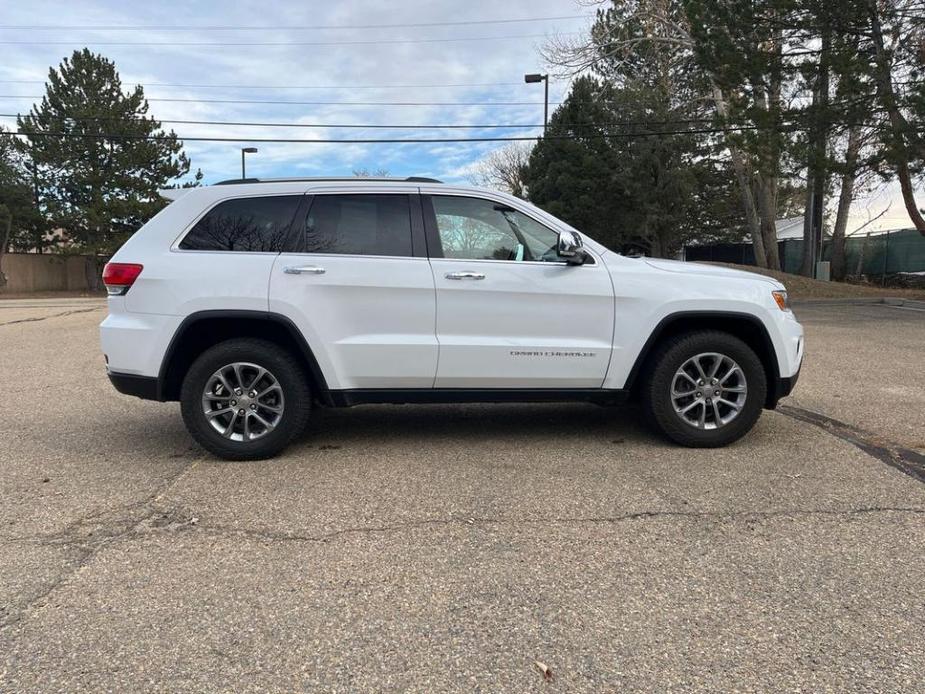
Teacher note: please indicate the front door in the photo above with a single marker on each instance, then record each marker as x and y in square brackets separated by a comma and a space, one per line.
[510, 312]
[361, 290]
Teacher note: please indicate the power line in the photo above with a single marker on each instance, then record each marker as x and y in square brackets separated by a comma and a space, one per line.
[380, 126]
[322, 103]
[526, 138]
[214, 44]
[287, 27]
[302, 86]
[280, 140]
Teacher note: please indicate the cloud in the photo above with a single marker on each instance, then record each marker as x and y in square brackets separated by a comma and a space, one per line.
[264, 68]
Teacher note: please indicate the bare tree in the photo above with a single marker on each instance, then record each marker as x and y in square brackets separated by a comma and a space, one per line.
[503, 169]
[863, 251]
[364, 173]
[899, 146]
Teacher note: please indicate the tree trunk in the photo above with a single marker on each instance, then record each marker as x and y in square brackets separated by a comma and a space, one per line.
[767, 98]
[805, 259]
[745, 187]
[896, 150]
[4, 242]
[748, 203]
[92, 272]
[770, 168]
[861, 254]
[845, 198]
[767, 206]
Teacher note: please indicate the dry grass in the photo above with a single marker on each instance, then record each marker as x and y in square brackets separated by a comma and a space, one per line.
[800, 287]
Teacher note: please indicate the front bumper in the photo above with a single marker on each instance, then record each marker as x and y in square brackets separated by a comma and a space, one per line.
[784, 385]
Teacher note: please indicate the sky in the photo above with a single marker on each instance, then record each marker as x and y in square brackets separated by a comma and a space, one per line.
[352, 64]
[332, 52]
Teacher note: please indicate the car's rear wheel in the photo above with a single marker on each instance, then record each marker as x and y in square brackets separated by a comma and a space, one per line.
[705, 389]
[245, 399]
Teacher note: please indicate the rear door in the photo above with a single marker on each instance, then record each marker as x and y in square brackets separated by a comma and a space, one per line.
[510, 312]
[361, 290]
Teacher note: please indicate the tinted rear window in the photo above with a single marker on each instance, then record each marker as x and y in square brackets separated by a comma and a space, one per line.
[244, 224]
[359, 225]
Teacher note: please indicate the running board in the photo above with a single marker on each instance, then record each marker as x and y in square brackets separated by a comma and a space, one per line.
[400, 396]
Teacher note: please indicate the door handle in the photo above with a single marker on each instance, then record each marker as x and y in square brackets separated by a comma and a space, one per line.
[466, 275]
[303, 270]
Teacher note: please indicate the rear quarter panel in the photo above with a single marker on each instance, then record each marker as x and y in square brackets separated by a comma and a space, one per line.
[179, 282]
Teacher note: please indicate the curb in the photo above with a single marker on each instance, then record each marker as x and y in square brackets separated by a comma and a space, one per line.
[862, 301]
[905, 303]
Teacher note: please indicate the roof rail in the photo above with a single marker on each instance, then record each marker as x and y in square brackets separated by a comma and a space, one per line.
[409, 179]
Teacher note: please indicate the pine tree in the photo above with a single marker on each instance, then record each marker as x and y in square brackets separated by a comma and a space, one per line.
[99, 157]
[570, 171]
[21, 226]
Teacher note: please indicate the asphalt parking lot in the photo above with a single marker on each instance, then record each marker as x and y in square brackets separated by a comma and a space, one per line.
[450, 547]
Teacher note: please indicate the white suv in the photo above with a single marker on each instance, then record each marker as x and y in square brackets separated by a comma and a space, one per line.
[252, 301]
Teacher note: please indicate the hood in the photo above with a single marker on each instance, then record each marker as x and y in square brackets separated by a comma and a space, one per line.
[688, 268]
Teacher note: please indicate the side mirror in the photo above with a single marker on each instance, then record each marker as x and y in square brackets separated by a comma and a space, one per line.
[570, 248]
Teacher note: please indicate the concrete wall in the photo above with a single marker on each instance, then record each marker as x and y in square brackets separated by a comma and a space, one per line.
[46, 272]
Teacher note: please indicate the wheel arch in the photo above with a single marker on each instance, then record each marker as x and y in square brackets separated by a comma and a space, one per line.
[203, 329]
[745, 326]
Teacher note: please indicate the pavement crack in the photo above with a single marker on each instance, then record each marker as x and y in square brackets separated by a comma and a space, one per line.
[90, 534]
[146, 516]
[54, 315]
[277, 536]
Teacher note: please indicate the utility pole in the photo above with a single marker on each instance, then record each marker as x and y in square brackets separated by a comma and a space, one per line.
[819, 184]
[818, 164]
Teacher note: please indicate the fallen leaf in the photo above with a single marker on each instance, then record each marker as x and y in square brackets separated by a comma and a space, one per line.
[544, 668]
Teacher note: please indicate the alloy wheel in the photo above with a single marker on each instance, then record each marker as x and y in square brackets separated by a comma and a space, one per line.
[709, 390]
[243, 401]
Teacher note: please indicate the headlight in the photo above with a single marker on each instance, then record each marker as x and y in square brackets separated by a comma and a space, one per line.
[780, 297]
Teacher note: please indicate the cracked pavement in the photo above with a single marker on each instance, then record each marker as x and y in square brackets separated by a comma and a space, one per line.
[447, 548]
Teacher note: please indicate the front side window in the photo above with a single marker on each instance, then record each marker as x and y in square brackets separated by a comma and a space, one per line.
[478, 229]
[244, 225]
[360, 224]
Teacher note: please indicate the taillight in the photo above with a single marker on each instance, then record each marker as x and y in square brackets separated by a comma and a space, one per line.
[119, 277]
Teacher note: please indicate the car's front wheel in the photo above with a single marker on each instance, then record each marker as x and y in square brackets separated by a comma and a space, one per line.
[245, 399]
[705, 389]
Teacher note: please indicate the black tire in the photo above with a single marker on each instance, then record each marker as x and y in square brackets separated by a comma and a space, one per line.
[283, 366]
[669, 358]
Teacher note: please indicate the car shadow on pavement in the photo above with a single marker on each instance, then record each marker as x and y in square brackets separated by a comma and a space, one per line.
[406, 425]
[415, 424]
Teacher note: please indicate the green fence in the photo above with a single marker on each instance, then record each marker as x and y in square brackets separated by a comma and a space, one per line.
[883, 254]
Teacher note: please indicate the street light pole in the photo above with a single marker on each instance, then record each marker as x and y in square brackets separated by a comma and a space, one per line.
[545, 102]
[246, 150]
[536, 77]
